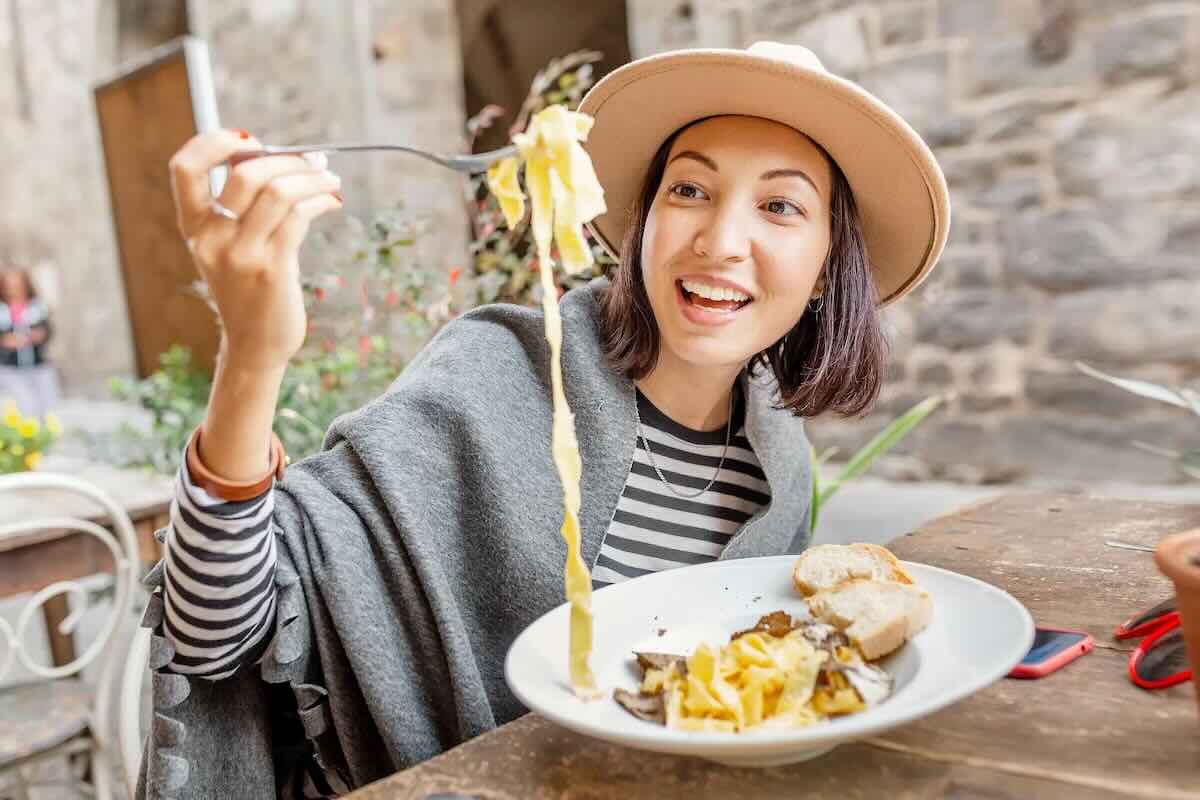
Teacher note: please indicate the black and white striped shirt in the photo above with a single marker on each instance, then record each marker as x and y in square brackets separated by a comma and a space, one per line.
[654, 528]
[220, 556]
[219, 579]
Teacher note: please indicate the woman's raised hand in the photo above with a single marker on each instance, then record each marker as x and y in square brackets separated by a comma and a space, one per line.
[246, 244]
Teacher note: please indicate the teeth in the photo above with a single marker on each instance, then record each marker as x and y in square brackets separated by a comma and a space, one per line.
[714, 292]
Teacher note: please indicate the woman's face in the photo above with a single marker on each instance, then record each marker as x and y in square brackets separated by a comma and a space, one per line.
[12, 285]
[735, 239]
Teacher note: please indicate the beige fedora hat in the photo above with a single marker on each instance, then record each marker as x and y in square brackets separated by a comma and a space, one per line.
[898, 186]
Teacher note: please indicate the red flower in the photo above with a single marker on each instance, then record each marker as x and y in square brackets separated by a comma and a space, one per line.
[364, 344]
[319, 293]
[455, 274]
[392, 297]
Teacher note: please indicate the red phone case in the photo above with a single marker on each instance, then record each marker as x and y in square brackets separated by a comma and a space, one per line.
[1059, 659]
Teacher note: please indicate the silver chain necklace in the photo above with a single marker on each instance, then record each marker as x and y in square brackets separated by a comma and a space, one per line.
[653, 463]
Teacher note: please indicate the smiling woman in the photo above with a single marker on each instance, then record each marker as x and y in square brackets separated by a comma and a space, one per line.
[721, 269]
[766, 210]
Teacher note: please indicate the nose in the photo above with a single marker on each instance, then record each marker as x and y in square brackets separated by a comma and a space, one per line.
[723, 238]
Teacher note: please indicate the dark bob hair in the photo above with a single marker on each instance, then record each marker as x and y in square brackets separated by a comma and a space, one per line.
[831, 360]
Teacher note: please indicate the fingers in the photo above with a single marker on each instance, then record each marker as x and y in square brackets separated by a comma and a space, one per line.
[250, 177]
[189, 169]
[291, 232]
[279, 196]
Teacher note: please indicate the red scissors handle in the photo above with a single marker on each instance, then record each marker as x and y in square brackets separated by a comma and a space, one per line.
[1164, 613]
[1169, 624]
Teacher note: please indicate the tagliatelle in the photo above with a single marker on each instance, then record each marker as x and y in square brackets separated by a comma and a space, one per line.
[564, 193]
[756, 682]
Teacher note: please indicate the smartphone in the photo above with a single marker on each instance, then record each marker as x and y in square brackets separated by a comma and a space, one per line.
[1053, 648]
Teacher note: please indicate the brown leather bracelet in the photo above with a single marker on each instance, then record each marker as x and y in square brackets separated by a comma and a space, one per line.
[234, 490]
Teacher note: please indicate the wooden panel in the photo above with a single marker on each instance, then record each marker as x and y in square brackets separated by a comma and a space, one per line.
[44, 558]
[145, 115]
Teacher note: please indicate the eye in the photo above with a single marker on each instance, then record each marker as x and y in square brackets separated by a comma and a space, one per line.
[784, 208]
[688, 191]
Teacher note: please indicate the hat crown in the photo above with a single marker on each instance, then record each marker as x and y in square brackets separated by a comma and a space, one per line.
[792, 53]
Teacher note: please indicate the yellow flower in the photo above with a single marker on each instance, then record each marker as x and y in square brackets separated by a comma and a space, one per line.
[11, 417]
[31, 460]
[53, 424]
[29, 428]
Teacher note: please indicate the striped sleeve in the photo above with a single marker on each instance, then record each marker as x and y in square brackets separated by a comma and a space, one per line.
[219, 582]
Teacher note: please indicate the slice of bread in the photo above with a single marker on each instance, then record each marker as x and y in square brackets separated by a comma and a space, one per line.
[826, 565]
[877, 616]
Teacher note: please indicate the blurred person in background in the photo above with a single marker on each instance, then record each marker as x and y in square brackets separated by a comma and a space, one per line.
[26, 377]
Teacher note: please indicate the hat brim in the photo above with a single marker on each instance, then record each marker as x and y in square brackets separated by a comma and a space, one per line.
[900, 191]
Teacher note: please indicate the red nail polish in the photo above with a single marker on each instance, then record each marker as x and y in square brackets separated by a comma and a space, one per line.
[241, 133]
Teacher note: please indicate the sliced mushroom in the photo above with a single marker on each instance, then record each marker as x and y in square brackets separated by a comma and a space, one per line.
[777, 624]
[871, 682]
[648, 707]
[821, 635]
[662, 661]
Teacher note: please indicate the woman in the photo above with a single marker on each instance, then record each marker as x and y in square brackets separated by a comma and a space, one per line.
[353, 618]
[25, 376]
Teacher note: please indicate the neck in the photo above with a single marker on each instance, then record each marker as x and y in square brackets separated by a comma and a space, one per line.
[695, 397]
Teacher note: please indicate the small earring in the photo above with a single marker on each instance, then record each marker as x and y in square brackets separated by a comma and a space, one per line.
[820, 303]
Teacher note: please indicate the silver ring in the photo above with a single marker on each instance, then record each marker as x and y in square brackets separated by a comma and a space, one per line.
[223, 211]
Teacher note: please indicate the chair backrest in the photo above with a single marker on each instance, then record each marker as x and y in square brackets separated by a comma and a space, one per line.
[129, 734]
[121, 543]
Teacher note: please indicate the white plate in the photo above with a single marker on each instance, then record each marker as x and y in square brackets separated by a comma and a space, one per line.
[977, 634]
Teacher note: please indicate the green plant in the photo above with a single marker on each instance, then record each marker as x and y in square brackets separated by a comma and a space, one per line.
[1187, 461]
[373, 306]
[24, 439]
[883, 441]
[175, 396]
[504, 261]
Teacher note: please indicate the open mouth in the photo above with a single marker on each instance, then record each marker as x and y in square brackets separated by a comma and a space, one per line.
[711, 298]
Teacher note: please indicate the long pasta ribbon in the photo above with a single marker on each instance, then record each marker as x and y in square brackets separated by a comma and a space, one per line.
[564, 193]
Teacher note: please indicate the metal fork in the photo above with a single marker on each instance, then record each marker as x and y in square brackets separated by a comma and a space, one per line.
[1128, 546]
[468, 164]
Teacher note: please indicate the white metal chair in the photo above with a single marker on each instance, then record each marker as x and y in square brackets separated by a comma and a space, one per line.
[129, 733]
[55, 715]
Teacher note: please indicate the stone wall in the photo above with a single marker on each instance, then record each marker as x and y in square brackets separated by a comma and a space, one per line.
[367, 70]
[1069, 131]
[1070, 135]
[54, 214]
[288, 70]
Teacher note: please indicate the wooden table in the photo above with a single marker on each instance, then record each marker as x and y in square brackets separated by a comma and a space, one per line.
[1083, 732]
[32, 561]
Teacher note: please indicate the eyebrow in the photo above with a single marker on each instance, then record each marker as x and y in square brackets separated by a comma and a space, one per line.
[770, 174]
